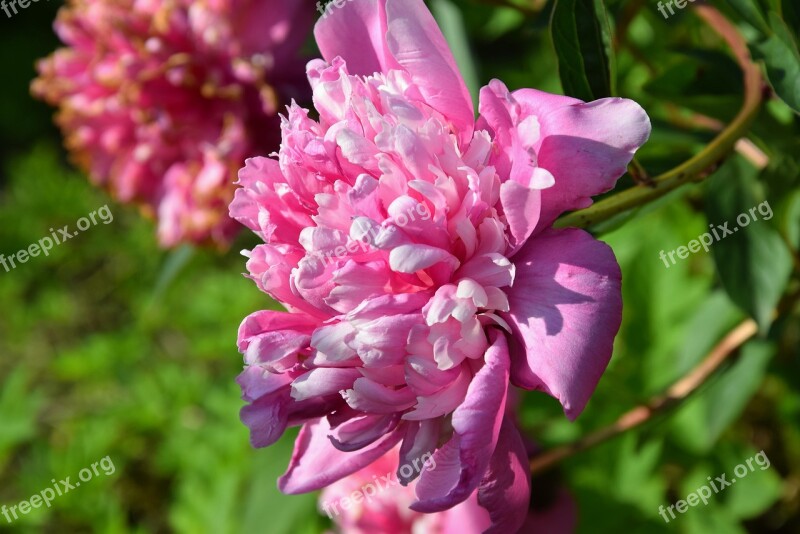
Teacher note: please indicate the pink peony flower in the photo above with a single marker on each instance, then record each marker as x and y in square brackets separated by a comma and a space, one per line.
[414, 252]
[162, 101]
[372, 500]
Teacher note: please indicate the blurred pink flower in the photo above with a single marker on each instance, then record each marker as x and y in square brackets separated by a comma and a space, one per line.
[371, 501]
[162, 101]
[414, 251]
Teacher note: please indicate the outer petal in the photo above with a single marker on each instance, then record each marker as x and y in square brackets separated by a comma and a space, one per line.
[462, 462]
[267, 418]
[506, 488]
[316, 463]
[565, 310]
[357, 33]
[419, 440]
[419, 47]
[586, 146]
[269, 415]
[379, 35]
[272, 321]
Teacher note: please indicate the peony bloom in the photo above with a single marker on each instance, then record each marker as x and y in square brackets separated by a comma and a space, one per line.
[412, 247]
[372, 500]
[161, 102]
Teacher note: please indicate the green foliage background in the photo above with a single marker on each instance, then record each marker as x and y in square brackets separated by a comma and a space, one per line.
[111, 347]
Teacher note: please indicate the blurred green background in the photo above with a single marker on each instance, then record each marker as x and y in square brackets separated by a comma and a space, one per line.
[112, 347]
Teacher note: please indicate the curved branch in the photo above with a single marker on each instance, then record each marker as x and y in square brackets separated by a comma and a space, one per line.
[641, 414]
[698, 167]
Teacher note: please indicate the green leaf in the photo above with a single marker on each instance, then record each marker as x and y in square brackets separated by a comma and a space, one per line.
[754, 490]
[733, 202]
[19, 407]
[791, 14]
[703, 518]
[791, 222]
[782, 60]
[637, 480]
[712, 319]
[582, 40]
[700, 423]
[751, 13]
[264, 504]
[706, 81]
[756, 493]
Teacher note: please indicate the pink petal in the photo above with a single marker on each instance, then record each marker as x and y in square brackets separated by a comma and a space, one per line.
[466, 517]
[277, 350]
[267, 418]
[420, 440]
[333, 345]
[323, 381]
[522, 206]
[462, 462]
[418, 45]
[506, 488]
[412, 258]
[514, 134]
[357, 33]
[586, 146]
[316, 463]
[256, 382]
[566, 309]
[269, 321]
[443, 401]
[491, 269]
[372, 397]
[362, 430]
[382, 342]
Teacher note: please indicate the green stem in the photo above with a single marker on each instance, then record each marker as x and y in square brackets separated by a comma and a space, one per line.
[700, 166]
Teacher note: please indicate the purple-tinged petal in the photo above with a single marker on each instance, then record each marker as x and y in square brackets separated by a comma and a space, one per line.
[323, 381]
[420, 440]
[256, 382]
[566, 309]
[270, 321]
[586, 146]
[506, 488]
[462, 462]
[372, 397]
[362, 430]
[443, 401]
[267, 418]
[316, 463]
